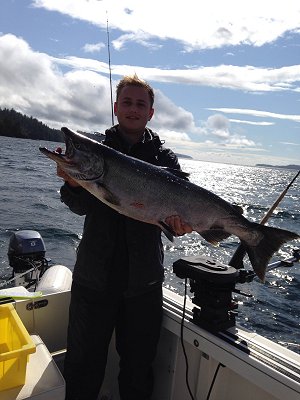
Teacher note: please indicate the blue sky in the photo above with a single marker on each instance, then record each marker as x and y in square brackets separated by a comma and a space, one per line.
[226, 74]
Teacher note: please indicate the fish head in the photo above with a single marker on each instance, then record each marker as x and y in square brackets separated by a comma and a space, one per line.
[82, 159]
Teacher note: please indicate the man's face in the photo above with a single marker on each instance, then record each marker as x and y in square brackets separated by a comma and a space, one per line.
[133, 109]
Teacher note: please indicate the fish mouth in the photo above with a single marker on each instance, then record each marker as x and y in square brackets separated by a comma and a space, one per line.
[56, 156]
[68, 160]
[68, 166]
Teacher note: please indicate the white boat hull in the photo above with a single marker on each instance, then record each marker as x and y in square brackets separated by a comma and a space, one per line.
[252, 367]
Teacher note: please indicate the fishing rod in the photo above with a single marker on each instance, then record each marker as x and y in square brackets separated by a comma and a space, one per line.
[109, 65]
[237, 258]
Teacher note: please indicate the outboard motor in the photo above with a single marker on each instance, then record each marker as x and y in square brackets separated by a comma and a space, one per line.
[26, 254]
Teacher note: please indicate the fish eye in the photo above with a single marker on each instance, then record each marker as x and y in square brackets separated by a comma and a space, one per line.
[77, 146]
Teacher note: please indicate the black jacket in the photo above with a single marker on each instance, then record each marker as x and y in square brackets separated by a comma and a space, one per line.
[117, 252]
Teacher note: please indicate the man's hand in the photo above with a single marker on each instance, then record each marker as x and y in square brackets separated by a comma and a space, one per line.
[178, 225]
[66, 177]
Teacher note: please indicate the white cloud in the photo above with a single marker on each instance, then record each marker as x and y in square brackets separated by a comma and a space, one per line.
[195, 24]
[218, 128]
[31, 83]
[140, 37]
[257, 113]
[93, 47]
[174, 136]
[69, 91]
[218, 125]
[247, 78]
[290, 144]
[240, 141]
[240, 121]
[169, 115]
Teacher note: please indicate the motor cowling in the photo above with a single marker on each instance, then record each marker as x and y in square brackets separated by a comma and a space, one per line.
[26, 249]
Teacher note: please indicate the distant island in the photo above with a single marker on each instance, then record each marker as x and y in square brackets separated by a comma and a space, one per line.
[184, 156]
[290, 166]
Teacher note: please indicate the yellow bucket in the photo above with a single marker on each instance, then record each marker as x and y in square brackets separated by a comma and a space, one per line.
[15, 347]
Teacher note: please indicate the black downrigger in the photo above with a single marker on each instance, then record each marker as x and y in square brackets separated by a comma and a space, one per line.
[213, 283]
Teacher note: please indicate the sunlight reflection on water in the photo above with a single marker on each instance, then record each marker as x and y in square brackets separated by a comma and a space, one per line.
[30, 200]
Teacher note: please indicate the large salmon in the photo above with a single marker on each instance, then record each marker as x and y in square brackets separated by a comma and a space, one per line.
[151, 194]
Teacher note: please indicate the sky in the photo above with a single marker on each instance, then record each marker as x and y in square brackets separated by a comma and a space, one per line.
[226, 74]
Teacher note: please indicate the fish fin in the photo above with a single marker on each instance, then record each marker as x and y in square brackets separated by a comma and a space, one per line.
[260, 254]
[167, 231]
[214, 236]
[177, 172]
[108, 196]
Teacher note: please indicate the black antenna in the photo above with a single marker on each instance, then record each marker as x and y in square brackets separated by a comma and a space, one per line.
[111, 96]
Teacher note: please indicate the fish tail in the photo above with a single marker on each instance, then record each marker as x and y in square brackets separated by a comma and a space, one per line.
[272, 240]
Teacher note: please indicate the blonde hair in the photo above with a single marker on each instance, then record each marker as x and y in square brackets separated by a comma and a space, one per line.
[134, 80]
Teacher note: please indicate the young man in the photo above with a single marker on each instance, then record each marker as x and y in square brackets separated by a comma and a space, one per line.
[118, 275]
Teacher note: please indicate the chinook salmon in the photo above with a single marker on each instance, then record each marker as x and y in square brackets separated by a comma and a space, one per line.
[150, 194]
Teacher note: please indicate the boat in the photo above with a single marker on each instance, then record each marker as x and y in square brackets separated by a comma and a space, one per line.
[202, 355]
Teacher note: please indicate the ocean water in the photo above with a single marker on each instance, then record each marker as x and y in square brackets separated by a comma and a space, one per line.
[29, 199]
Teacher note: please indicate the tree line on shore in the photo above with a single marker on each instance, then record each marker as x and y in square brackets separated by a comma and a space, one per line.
[15, 124]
